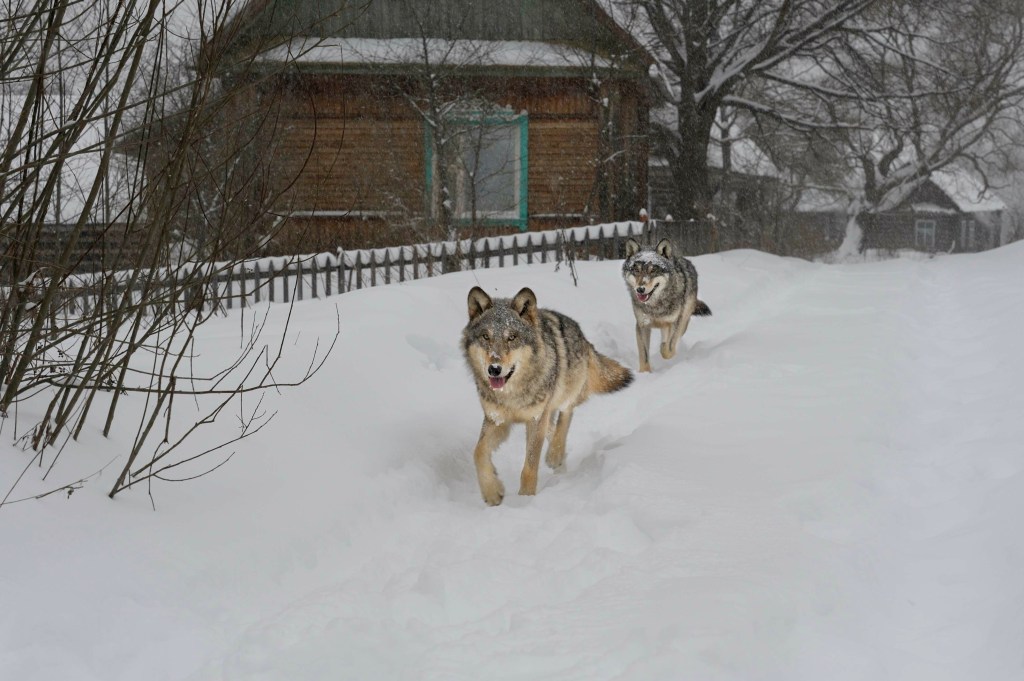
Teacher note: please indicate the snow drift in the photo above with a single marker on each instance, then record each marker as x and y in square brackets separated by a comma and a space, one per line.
[827, 483]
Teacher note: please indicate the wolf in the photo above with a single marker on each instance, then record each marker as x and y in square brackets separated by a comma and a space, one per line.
[530, 366]
[663, 289]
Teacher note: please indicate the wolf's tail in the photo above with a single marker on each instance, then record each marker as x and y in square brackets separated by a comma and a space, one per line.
[607, 375]
[702, 309]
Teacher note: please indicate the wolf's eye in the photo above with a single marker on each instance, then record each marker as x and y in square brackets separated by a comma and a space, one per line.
[511, 337]
[486, 336]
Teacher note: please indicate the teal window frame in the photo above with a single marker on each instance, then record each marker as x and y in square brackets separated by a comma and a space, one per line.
[521, 122]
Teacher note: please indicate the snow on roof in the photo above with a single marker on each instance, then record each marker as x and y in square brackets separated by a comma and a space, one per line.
[818, 200]
[391, 51]
[968, 193]
[931, 208]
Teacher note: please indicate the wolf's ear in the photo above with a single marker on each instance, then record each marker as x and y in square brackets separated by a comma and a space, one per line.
[525, 305]
[632, 247]
[479, 302]
[664, 248]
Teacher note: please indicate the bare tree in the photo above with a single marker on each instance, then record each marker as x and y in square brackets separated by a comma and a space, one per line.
[941, 85]
[109, 109]
[707, 51]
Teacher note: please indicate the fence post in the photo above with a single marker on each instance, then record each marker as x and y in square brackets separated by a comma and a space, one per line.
[286, 270]
[373, 267]
[327, 278]
[359, 269]
[270, 280]
[256, 288]
[401, 264]
[315, 288]
[341, 271]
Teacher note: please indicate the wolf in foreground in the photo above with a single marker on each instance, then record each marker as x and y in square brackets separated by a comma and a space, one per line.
[530, 366]
[663, 289]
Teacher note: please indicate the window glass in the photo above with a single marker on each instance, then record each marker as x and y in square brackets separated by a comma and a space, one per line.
[487, 171]
[924, 234]
[486, 168]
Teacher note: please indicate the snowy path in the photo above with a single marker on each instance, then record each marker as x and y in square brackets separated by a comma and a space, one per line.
[827, 484]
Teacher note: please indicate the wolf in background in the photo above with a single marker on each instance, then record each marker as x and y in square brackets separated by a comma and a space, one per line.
[663, 289]
[531, 366]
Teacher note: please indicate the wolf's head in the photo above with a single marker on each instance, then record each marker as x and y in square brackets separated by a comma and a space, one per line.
[501, 335]
[647, 271]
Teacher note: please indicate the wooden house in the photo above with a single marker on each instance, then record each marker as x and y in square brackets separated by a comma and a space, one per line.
[399, 120]
[949, 212]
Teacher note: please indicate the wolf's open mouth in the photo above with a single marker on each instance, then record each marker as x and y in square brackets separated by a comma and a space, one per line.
[498, 382]
[644, 297]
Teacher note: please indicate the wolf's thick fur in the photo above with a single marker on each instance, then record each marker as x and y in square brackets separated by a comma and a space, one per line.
[530, 366]
[663, 289]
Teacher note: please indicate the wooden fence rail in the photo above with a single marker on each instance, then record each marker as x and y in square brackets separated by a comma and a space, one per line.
[225, 286]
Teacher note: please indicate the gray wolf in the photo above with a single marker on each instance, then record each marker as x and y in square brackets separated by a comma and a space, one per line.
[663, 289]
[530, 366]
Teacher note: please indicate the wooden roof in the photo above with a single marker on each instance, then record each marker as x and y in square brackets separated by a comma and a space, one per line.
[262, 24]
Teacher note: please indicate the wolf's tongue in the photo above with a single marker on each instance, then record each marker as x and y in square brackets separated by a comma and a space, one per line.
[497, 382]
[643, 297]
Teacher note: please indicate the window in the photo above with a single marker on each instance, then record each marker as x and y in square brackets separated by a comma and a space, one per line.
[485, 158]
[924, 235]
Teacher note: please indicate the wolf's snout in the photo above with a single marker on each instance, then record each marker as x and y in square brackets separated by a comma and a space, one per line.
[497, 377]
[641, 289]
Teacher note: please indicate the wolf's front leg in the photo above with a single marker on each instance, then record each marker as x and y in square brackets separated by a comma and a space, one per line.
[556, 449]
[491, 435]
[643, 345]
[679, 328]
[668, 351]
[536, 430]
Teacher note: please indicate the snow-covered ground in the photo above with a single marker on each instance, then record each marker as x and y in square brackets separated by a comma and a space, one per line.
[828, 483]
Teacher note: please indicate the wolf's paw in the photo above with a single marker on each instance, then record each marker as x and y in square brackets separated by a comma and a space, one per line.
[555, 460]
[667, 352]
[645, 368]
[492, 491]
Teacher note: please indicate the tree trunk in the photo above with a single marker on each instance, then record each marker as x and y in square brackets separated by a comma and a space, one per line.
[690, 173]
[853, 240]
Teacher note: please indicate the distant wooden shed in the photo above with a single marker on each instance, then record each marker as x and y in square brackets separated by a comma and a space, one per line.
[951, 211]
[543, 106]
